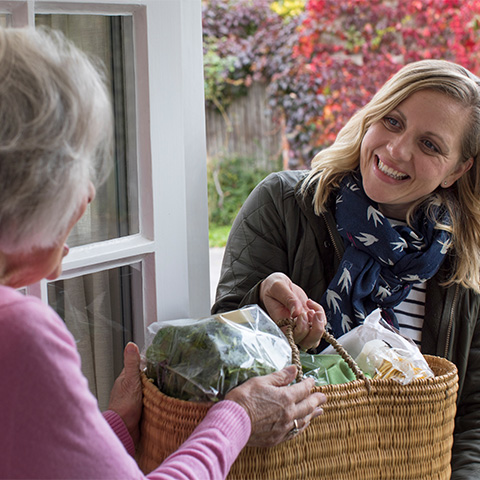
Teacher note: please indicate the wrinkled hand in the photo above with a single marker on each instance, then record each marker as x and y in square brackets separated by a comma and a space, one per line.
[273, 406]
[284, 299]
[126, 395]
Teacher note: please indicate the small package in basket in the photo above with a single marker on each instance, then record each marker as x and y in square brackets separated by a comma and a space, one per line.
[382, 352]
[203, 359]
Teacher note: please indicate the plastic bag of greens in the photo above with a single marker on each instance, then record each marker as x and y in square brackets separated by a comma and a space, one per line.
[203, 359]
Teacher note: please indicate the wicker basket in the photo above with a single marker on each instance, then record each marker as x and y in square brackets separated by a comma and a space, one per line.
[376, 429]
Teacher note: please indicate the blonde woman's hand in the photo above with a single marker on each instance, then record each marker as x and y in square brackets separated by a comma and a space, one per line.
[284, 299]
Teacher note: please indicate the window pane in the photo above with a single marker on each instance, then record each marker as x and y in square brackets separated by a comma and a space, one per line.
[114, 212]
[99, 312]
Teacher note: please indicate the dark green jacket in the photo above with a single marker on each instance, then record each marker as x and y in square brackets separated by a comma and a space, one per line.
[278, 231]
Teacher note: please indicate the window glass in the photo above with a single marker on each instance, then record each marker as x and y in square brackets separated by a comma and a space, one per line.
[114, 212]
[98, 310]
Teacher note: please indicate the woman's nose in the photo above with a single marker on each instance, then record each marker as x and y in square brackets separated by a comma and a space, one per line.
[400, 147]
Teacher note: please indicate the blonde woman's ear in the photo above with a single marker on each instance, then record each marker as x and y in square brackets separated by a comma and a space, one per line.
[459, 171]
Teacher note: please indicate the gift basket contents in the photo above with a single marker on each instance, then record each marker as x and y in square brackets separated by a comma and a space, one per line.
[203, 359]
[378, 349]
[389, 414]
[326, 369]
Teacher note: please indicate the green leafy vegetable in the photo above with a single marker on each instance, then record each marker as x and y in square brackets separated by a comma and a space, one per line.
[202, 360]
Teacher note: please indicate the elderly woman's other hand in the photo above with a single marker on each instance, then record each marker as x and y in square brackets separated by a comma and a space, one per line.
[126, 395]
[275, 408]
[284, 299]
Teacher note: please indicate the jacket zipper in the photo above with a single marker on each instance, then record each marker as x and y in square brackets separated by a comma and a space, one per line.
[330, 233]
[450, 320]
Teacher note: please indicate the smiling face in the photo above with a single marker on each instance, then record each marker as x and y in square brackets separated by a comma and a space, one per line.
[412, 151]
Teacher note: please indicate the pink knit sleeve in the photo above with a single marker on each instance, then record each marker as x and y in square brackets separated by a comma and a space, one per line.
[213, 446]
[121, 431]
[49, 416]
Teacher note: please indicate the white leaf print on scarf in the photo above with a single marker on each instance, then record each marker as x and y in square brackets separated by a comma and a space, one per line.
[345, 280]
[332, 300]
[383, 292]
[400, 245]
[445, 246]
[359, 314]
[367, 239]
[346, 323]
[414, 278]
[388, 261]
[377, 216]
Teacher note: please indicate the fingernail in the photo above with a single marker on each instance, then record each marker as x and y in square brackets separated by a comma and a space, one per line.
[292, 369]
[130, 347]
[312, 383]
[319, 411]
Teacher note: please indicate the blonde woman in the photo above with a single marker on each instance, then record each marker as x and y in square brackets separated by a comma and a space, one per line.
[388, 217]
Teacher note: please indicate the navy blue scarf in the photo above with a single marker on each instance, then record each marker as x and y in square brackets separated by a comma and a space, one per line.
[381, 262]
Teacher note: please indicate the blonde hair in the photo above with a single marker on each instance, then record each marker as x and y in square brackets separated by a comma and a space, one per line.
[462, 200]
[56, 131]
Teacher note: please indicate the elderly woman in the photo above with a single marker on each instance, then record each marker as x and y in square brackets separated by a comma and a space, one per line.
[388, 217]
[55, 141]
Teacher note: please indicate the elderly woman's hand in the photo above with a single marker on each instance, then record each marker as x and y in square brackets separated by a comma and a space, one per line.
[284, 299]
[126, 395]
[275, 408]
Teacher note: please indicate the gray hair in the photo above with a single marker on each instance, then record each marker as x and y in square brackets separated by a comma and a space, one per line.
[56, 131]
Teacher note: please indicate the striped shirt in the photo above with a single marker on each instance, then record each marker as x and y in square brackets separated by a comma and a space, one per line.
[411, 312]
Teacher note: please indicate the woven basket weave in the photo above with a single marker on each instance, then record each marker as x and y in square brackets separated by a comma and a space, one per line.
[386, 431]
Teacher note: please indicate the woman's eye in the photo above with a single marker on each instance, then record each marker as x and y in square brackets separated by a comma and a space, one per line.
[391, 122]
[430, 146]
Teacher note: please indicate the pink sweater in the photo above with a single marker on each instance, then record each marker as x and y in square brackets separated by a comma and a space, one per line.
[50, 424]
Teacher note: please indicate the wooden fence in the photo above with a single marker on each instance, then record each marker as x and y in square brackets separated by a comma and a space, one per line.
[247, 129]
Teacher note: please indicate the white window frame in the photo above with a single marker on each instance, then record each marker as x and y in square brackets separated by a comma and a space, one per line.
[172, 245]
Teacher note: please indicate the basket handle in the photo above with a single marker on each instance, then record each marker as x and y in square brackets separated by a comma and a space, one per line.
[290, 324]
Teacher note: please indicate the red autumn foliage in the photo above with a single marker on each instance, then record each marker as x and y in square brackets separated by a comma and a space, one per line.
[355, 46]
[322, 66]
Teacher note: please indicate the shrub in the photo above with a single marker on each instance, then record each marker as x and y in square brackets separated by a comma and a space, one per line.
[230, 181]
